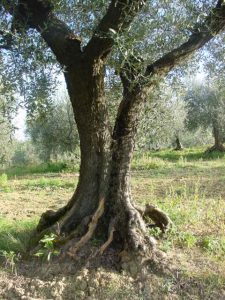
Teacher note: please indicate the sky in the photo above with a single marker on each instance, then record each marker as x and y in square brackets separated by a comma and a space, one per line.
[19, 122]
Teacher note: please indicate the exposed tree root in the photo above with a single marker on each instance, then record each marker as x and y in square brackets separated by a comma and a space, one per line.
[160, 218]
[137, 235]
[50, 217]
[110, 237]
[133, 234]
[91, 229]
[219, 148]
[178, 148]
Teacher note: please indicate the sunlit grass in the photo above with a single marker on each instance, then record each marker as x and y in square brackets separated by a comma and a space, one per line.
[15, 235]
[187, 185]
[57, 167]
[45, 182]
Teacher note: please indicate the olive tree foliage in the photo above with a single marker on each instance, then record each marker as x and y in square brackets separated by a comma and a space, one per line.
[206, 108]
[164, 119]
[54, 133]
[7, 110]
[142, 41]
[23, 154]
[5, 143]
[157, 29]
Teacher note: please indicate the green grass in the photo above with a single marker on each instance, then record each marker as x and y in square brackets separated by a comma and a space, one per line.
[189, 154]
[15, 235]
[192, 213]
[40, 169]
[4, 183]
[188, 185]
[152, 160]
[44, 182]
[3, 180]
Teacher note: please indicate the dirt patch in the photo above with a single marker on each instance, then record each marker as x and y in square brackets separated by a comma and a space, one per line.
[102, 284]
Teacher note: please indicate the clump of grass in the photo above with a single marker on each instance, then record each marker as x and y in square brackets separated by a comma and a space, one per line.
[146, 162]
[187, 239]
[4, 186]
[3, 180]
[175, 238]
[15, 235]
[213, 245]
[182, 162]
[188, 154]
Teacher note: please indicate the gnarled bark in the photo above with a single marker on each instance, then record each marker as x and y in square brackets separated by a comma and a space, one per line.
[103, 191]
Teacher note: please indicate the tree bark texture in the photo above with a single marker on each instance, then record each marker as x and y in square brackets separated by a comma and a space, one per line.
[105, 161]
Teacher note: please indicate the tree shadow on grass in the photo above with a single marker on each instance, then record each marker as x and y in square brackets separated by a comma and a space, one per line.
[187, 154]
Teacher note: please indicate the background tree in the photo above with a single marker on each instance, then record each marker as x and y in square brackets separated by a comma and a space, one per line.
[163, 120]
[54, 133]
[103, 194]
[23, 154]
[206, 109]
[7, 110]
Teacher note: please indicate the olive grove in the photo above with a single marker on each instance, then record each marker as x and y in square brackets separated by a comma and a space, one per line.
[137, 41]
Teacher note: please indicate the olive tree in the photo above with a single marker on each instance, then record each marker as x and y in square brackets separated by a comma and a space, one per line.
[206, 109]
[7, 110]
[163, 121]
[55, 132]
[102, 201]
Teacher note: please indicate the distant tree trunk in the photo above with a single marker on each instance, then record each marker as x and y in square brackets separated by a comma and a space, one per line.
[178, 145]
[218, 139]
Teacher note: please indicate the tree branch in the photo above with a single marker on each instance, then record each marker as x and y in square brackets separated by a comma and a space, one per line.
[38, 14]
[119, 16]
[213, 24]
[136, 85]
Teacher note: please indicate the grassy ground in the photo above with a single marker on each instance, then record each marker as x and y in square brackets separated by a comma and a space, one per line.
[189, 185]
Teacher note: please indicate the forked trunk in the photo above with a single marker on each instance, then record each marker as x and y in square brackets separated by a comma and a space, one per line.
[102, 201]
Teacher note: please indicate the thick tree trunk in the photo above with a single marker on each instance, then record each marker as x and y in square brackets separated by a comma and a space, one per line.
[86, 91]
[131, 226]
[178, 145]
[87, 97]
[218, 140]
[102, 201]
